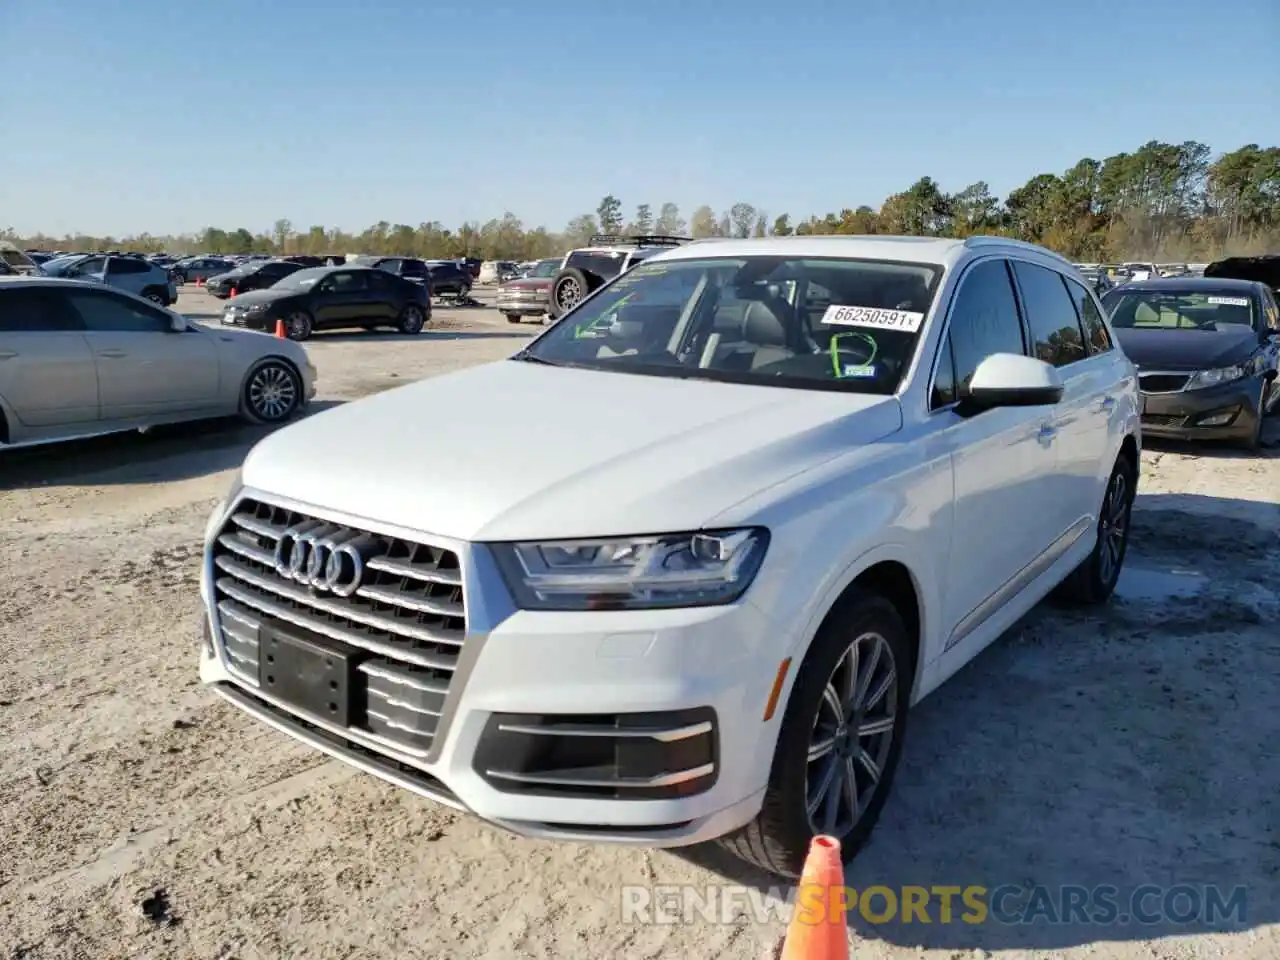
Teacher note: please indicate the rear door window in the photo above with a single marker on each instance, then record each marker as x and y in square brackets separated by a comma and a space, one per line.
[35, 310]
[1095, 330]
[1056, 336]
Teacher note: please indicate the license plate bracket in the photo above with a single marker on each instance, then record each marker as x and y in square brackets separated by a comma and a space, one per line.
[313, 677]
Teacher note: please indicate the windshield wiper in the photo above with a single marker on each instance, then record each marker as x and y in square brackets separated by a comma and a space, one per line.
[528, 357]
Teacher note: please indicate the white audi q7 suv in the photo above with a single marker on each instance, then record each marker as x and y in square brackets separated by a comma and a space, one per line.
[679, 569]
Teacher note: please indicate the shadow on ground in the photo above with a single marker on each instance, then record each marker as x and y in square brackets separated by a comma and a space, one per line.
[1099, 750]
[169, 453]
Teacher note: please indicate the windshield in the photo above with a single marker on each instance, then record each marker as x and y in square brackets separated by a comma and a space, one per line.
[301, 279]
[818, 324]
[545, 268]
[1178, 310]
[58, 265]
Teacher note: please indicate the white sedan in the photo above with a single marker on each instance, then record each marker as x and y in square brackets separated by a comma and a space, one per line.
[79, 360]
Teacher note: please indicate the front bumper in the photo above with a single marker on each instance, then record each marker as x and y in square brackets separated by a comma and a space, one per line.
[523, 306]
[235, 317]
[1229, 411]
[640, 727]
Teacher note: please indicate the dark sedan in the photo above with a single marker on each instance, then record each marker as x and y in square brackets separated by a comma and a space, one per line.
[1207, 353]
[254, 275]
[326, 298]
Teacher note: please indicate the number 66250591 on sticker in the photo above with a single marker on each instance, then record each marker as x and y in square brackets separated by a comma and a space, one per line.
[905, 320]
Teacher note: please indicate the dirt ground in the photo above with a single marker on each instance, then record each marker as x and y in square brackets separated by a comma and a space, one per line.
[142, 817]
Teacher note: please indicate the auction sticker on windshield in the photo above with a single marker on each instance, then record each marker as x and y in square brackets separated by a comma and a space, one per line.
[845, 316]
[1230, 301]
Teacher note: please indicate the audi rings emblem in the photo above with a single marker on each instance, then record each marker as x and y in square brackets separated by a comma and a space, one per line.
[322, 557]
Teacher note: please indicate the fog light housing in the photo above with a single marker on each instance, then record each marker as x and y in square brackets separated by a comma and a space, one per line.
[1220, 419]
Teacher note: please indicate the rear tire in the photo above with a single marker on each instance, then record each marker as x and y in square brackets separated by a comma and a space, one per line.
[412, 320]
[298, 326]
[156, 297]
[1094, 581]
[795, 807]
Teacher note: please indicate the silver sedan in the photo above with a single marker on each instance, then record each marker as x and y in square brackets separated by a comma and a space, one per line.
[79, 360]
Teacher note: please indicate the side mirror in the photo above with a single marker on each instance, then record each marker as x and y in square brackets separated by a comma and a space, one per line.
[179, 325]
[1011, 380]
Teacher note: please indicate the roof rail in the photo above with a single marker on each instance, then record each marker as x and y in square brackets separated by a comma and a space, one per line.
[639, 240]
[981, 240]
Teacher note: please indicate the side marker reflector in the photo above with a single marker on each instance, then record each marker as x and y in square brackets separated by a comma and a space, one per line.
[776, 692]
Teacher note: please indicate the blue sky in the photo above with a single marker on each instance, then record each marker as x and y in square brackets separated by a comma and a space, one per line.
[122, 116]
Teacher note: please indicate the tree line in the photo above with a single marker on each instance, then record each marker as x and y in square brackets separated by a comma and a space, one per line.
[1163, 201]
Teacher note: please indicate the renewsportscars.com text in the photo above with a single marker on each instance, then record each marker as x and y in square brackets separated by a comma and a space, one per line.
[1009, 904]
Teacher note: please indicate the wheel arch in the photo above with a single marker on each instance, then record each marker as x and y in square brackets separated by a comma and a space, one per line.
[889, 572]
[1129, 448]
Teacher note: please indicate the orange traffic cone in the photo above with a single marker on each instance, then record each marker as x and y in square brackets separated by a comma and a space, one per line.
[232, 294]
[199, 281]
[817, 930]
[280, 329]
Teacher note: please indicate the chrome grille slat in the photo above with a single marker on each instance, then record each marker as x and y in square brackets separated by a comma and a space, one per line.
[395, 724]
[417, 683]
[262, 528]
[416, 604]
[391, 701]
[404, 612]
[304, 597]
[238, 546]
[415, 571]
[273, 609]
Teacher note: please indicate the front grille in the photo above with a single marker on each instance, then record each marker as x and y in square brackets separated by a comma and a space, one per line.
[1162, 420]
[1162, 382]
[630, 756]
[402, 626]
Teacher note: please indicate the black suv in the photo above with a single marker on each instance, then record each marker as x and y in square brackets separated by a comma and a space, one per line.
[586, 269]
[449, 278]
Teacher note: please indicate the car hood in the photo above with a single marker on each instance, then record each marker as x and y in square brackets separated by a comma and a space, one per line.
[267, 295]
[513, 450]
[1186, 349]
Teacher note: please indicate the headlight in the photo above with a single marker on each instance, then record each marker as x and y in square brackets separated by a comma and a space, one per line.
[1211, 378]
[256, 308]
[631, 573]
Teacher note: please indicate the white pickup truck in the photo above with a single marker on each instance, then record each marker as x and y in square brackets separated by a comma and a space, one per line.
[679, 569]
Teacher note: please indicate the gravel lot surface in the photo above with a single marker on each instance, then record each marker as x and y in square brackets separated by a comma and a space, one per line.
[142, 817]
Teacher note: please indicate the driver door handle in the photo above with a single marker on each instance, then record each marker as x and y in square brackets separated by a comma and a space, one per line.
[7, 354]
[1047, 432]
[112, 354]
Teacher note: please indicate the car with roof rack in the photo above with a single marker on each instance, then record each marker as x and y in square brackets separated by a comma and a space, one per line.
[606, 256]
[778, 490]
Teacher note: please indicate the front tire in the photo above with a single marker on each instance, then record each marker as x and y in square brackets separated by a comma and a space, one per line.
[156, 297]
[1094, 581]
[514, 318]
[272, 392]
[840, 738]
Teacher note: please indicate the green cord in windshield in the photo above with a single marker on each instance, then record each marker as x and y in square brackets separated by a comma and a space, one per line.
[835, 350]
